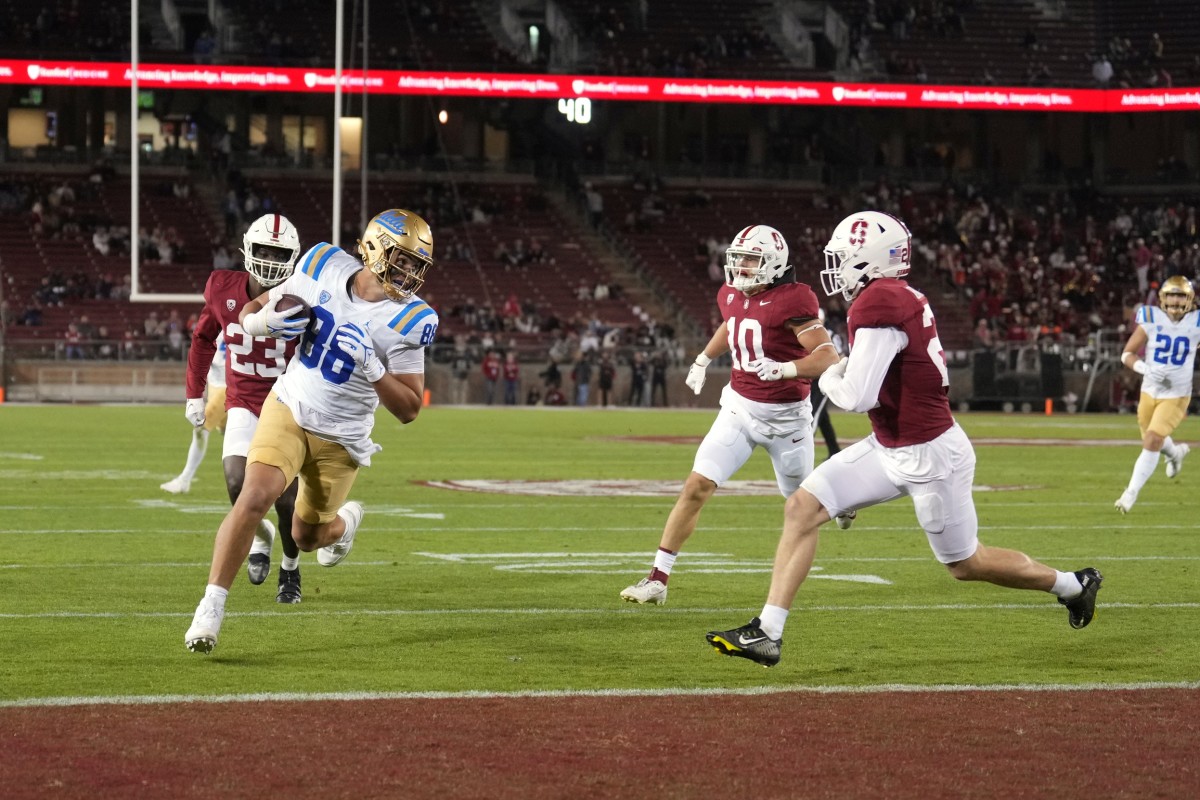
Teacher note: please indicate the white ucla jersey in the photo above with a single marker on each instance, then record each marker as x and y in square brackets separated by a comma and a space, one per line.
[216, 370]
[325, 390]
[1170, 351]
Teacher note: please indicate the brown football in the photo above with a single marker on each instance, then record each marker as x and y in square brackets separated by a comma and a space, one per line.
[291, 301]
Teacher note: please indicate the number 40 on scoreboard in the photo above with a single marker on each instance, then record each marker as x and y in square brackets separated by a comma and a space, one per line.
[576, 109]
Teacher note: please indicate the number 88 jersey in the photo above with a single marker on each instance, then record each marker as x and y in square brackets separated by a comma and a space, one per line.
[327, 394]
[1170, 352]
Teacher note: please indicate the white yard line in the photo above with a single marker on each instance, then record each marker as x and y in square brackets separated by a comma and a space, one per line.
[301, 697]
[616, 610]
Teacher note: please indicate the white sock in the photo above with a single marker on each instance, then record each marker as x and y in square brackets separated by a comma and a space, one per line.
[290, 563]
[1066, 585]
[664, 560]
[264, 538]
[772, 619]
[1168, 448]
[1143, 468]
[196, 451]
[217, 594]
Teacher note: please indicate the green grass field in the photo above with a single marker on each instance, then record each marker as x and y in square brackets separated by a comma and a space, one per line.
[469, 590]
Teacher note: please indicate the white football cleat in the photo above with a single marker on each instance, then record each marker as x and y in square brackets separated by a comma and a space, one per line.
[1126, 501]
[206, 626]
[844, 521]
[179, 485]
[258, 564]
[331, 555]
[646, 591]
[1175, 464]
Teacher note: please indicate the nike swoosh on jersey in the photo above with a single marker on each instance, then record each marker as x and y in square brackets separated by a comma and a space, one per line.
[765, 302]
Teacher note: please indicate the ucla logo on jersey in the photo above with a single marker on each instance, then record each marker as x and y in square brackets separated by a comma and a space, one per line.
[324, 298]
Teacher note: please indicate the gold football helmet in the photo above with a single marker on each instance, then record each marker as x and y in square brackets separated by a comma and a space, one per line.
[397, 246]
[1176, 297]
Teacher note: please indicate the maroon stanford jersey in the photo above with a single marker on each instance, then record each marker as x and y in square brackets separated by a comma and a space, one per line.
[757, 329]
[913, 404]
[253, 362]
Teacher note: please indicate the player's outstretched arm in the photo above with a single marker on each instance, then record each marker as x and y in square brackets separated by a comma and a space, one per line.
[1129, 356]
[698, 371]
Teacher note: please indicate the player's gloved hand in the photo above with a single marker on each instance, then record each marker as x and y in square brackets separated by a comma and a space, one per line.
[193, 409]
[769, 370]
[697, 372]
[276, 324]
[354, 342]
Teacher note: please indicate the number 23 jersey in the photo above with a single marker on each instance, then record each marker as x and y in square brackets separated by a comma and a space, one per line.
[252, 363]
[326, 391]
[1170, 351]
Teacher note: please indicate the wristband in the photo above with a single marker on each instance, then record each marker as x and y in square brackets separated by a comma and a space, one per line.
[703, 360]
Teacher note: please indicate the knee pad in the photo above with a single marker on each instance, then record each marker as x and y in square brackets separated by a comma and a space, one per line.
[931, 512]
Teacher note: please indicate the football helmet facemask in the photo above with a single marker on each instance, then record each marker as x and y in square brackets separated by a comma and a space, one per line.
[397, 247]
[270, 248]
[863, 247]
[757, 256]
[1176, 297]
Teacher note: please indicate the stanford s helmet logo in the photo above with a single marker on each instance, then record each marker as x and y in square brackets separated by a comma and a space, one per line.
[858, 232]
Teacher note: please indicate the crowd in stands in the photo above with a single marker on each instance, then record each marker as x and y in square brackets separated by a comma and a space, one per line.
[1048, 268]
[1030, 268]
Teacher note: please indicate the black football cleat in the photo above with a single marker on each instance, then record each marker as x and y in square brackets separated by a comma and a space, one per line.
[258, 567]
[1082, 607]
[289, 586]
[747, 641]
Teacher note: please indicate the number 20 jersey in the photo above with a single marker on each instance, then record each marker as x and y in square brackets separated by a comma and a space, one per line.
[1170, 351]
[326, 391]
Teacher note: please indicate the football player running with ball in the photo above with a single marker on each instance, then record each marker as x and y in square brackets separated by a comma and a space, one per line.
[895, 372]
[1172, 332]
[772, 328]
[253, 362]
[363, 346]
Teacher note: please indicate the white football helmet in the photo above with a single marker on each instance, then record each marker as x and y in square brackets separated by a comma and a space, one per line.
[863, 247]
[397, 247]
[757, 256]
[270, 249]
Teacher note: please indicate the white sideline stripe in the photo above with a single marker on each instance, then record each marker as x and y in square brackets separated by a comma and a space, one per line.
[1118, 523]
[475, 694]
[157, 565]
[414, 612]
[640, 556]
